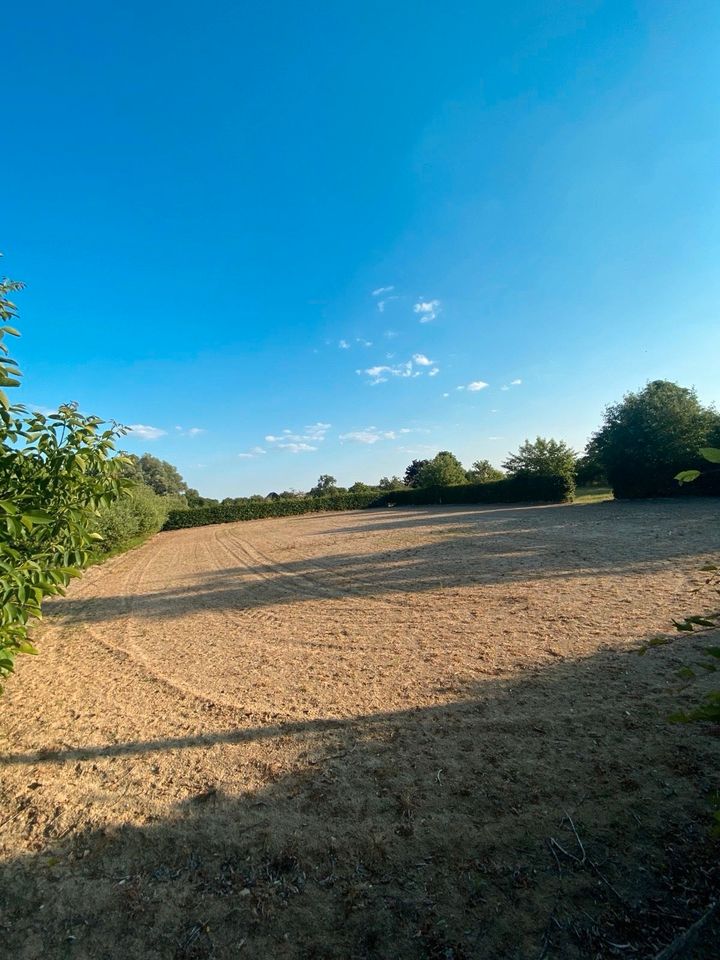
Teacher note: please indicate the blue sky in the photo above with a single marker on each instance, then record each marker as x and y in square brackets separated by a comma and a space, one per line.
[205, 202]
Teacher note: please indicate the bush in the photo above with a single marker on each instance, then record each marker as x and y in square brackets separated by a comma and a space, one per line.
[140, 514]
[523, 488]
[261, 509]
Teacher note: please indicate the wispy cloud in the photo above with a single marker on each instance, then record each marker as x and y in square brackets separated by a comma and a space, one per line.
[252, 454]
[383, 292]
[145, 432]
[415, 367]
[303, 442]
[343, 344]
[297, 447]
[427, 310]
[473, 386]
[363, 342]
[368, 435]
[189, 431]
[422, 361]
[513, 383]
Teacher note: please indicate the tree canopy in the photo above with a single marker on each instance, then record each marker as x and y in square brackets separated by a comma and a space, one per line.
[443, 470]
[542, 456]
[650, 435]
[412, 472]
[482, 471]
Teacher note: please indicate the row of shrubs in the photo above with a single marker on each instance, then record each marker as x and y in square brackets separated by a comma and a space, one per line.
[521, 488]
[539, 488]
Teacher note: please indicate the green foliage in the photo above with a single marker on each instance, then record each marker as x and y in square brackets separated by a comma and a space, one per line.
[522, 488]
[482, 471]
[260, 509]
[542, 456]
[193, 499]
[136, 516]
[412, 472]
[359, 487]
[159, 475]
[390, 483]
[651, 437]
[56, 473]
[443, 470]
[324, 487]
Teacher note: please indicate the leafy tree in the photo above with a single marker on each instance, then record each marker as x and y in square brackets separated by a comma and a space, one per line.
[651, 435]
[443, 470]
[193, 499]
[589, 468]
[412, 472]
[482, 471]
[542, 456]
[390, 483]
[158, 474]
[57, 472]
[359, 487]
[325, 486]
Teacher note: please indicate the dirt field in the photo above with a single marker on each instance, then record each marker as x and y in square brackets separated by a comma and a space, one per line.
[387, 734]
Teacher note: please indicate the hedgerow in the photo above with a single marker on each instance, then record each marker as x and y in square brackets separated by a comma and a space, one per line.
[540, 488]
[261, 509]
[523, 488]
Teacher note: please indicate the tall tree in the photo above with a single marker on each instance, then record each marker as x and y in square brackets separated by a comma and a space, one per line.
[482, 471]
[649, 436]
[542, 456]
[326, 485]
[442, 471]
[412, 472]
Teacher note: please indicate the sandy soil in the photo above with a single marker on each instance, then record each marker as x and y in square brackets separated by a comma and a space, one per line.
[414, 733]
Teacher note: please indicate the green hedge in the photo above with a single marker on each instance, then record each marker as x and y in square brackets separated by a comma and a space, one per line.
[522, 488]
[519, 489]
[260, 509]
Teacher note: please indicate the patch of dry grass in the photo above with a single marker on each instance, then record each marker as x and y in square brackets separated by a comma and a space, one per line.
[404, 733]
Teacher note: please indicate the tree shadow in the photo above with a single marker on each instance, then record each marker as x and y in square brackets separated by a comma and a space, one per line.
[557, 815]
[471, 546]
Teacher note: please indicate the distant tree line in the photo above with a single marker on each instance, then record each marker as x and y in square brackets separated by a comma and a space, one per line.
[643, 442]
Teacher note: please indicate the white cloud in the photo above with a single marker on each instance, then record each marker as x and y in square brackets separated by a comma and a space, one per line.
[504, 387]
[343, 344]
[446, 395]
[287, 440]
[190, 431]
[296, 447]
[251, 454]
[515, 383]
[434, 372]
[145, 432]
[368, 435]
[427, 309]
[390, 334]
[477, 385]
[380, 290]
[363, 342]
[496, 438]
[382, 372]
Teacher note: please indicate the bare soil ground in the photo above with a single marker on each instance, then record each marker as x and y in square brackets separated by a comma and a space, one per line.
[388, 734]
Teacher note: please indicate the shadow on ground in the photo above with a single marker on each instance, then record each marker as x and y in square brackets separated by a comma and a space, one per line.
[513, 544]
[559, 815]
